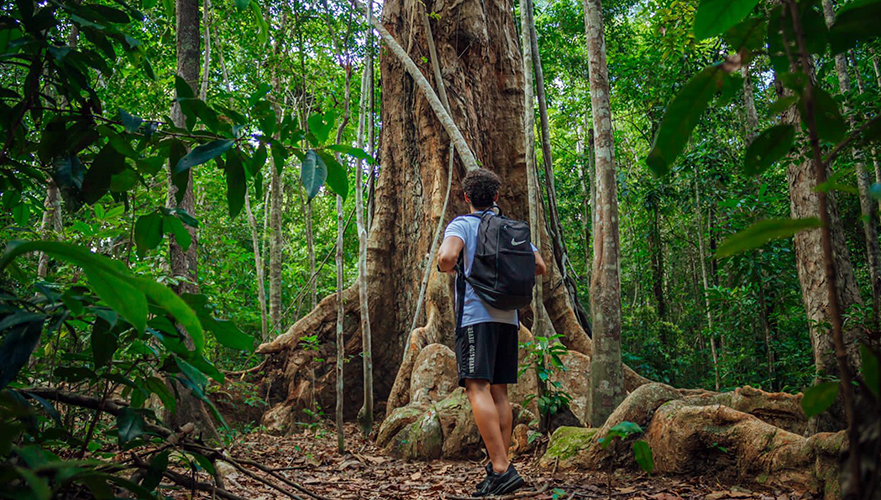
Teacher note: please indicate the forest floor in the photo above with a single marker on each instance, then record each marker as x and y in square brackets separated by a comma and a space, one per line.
[310, 458]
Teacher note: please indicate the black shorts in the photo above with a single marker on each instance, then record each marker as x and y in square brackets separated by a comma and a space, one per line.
[487, 351]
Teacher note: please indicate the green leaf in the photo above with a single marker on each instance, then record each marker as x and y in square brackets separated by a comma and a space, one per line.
[163, 297]
[120, 295]
[257, 162]
[104, 342]
[242, 4]
[236, 185]
[769, 147]
[158, 387]
[831, 126]
[644, 457]
[749, 34]
[819, 398]
[202, 154]
[321, 125]
[856, 21]
[130, 424]
[21, 213]
[313, 173]
[154, 473]
[96, 181]
[353, 152]
[627, 428]
[337, 180]
[182, 88]
[193, 375]
[18, 344]
[173, 225]
[717, 16]
[871, 376]
[39, 486]
[229, 335]
[782, 104]
[681, 117]
[130, 122]
[762, 232]
[148, 232]
[279, 156]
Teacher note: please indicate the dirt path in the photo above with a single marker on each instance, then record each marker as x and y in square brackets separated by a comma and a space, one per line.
[365, 472]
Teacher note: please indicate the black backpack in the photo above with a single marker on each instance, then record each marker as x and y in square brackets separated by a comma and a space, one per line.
[503, 271]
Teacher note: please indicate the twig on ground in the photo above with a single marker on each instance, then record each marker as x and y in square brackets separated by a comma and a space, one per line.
[186, 482]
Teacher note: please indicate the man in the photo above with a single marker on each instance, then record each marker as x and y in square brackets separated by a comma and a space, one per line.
[486, 338]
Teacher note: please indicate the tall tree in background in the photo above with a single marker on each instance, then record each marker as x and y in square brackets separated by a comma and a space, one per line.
[867, 206]
[606, 368]
[276, 202]
[183, 263]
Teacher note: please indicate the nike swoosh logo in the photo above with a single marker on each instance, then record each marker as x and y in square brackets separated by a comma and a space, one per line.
[514, 242]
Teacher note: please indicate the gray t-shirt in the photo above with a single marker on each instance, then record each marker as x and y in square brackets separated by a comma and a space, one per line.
[475, 311]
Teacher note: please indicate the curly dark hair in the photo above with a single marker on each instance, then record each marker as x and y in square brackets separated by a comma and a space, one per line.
[481, 186]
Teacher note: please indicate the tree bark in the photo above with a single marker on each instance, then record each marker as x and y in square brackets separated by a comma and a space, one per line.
[749, 104]
[183, 264]
[276, 204]
[862, 89]
[366, 413]
[258, 266]
[607, 374]
[50, 226]
[867, 206]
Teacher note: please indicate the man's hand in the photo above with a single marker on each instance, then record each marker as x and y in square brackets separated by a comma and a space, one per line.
[448, 254]
[540, 266]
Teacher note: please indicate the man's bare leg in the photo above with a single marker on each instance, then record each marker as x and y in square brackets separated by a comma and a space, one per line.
[486, 416]
[503, 408]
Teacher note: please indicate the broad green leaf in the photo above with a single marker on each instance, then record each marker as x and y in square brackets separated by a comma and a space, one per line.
[717, 16]
[313, 174]
[627, 428]
[39, 486]
[748, 34]
[242, 4]
[258, 160]
[337, 179]
[202, 154]
[130, 122]
[120, 295]
[18, 344]
[819, 398]
[165, 298]
[769, 147]
[762, 232]
[643, 454]
[871, 376]
[353, 152]
[321, 125]
[158, 387]
[148, 232]
[831, 126]
[96, 181]
[130, 424]
[104, 342]
[856, 21]
[182, 88]
[21, 213]
[236, 185]
[173, 225]
[154, 473]
[192, 373]
[681, 117]
[782, 104]
[229, 335]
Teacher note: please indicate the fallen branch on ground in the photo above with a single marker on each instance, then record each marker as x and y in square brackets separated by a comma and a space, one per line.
[519, 494]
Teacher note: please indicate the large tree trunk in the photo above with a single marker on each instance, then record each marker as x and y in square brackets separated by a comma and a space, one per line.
[480, 58]
[607, 374]
[183, 264]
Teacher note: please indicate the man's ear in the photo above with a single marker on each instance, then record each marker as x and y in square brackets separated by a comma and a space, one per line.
[497, 197]
[465, 195]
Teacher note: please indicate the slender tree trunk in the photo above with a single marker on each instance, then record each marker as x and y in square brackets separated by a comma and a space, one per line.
[861, 86]
[206, 68]
[592, 184]
[656, 252]
[276, 203]
[867, 206]
[258, 264]
[749, 104]
[183, 264]
[877, 65]
[365, 415]
[555, 229]
[585, 176]
[606, 368]
[766, 329]
[706, 289]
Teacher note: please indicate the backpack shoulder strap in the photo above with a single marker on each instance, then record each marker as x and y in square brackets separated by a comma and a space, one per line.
[460, 288]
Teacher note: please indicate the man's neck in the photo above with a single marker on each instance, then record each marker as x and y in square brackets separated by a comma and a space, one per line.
[475, 210]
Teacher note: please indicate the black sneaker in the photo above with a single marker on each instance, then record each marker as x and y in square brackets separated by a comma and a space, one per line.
[501, 484]
[478, 490]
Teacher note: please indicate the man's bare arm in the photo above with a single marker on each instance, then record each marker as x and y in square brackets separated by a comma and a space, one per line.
[448, 253]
